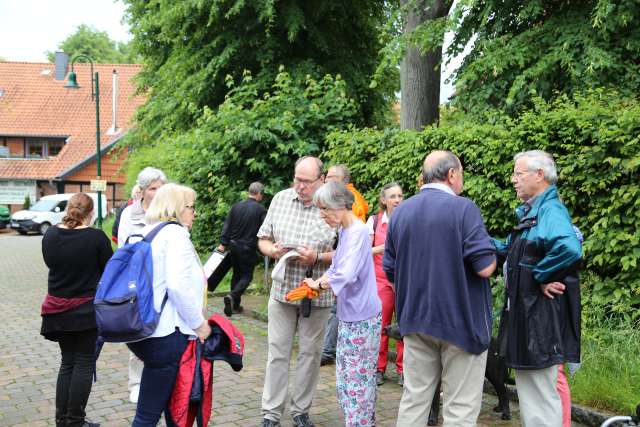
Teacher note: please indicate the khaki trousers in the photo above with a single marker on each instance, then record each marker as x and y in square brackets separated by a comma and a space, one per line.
[284, 320]
[426, 361]
[540, 404]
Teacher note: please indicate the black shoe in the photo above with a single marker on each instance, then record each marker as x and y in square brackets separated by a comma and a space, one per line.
[228, 306]
[266, 422]
[238, 309]
[302, 421]
[327, 360]
[90, 424]
[379, 378]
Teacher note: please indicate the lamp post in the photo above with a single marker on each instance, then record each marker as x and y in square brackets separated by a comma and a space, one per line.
[72, 83]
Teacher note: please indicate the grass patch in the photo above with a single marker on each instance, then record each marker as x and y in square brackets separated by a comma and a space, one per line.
[610, 375]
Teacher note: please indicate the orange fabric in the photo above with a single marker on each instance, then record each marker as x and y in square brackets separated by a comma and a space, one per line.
[302, 291]
[360, 206]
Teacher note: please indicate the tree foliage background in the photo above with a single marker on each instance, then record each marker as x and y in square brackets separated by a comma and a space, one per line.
[98, 45]
[190, 47]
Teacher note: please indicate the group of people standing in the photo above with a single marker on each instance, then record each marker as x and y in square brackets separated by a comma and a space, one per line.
[428, 258]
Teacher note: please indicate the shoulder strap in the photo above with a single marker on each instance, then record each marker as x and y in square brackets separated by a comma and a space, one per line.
[152, 234]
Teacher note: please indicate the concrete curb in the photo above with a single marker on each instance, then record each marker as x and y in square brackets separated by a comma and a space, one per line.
[580, 414]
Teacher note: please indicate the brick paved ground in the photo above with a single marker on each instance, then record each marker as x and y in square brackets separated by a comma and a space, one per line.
[29, 364]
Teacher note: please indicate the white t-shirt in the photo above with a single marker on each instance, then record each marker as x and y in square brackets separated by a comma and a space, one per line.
[383, 220]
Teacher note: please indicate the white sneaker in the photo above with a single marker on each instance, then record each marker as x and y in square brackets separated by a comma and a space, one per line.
[134, 393]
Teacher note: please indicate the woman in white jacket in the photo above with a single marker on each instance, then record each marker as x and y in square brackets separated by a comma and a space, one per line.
[177, 272]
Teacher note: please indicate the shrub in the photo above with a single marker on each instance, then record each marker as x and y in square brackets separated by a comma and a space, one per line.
[251, 137]
[594, 139]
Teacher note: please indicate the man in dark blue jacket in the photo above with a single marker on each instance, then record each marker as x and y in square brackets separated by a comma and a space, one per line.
[540, 324]
[439, 256]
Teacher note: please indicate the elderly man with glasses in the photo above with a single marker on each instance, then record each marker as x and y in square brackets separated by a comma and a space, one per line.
[294, 223]
[540, 324]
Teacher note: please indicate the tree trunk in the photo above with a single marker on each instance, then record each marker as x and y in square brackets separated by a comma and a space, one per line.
[420, 74]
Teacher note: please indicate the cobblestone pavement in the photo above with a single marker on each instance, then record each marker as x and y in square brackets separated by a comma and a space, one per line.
[29, 363]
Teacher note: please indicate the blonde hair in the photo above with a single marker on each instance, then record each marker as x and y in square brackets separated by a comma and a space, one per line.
[170, 200]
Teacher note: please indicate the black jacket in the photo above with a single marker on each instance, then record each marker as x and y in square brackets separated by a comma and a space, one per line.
[537, 332]
[242, 224]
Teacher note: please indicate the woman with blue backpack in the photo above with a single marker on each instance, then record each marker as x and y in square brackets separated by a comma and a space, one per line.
[179, 295]
[76, 255]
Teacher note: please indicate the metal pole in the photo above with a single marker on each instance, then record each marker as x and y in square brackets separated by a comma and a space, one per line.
[99, 172]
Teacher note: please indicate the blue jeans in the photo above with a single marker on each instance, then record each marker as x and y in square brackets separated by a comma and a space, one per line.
[161, 357]
[331, 335]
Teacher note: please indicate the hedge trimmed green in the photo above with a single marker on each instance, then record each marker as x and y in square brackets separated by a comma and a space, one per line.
[594, 139]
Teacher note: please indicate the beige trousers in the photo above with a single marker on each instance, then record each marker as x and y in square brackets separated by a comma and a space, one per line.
[540, 404]
[426, 361]
[283, 323]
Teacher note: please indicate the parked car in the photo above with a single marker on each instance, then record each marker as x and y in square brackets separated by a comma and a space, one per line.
[5, 217]
[48, 211]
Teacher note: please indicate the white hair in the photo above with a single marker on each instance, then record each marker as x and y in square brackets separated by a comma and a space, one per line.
[334, 195]
[148, 175]
[540, 160]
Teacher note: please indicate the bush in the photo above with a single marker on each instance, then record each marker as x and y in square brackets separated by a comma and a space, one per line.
[594, 139]
[251, 137]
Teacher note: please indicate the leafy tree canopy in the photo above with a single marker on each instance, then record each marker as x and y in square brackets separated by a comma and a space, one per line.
[530, 48]
[190, 47]
[97, 44]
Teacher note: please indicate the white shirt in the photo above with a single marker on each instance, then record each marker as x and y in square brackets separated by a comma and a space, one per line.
[131, 222]
[178, 272]
[438, 186]
[383, 220]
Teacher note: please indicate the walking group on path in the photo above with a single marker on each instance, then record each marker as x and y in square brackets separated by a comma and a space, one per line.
[428, 259]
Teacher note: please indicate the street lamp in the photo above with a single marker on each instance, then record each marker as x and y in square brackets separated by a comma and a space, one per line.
[72, 83]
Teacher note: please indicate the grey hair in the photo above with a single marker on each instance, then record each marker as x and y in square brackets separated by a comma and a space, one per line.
[439, 171]
[256, 188]
[344, 170]
[333, 195]
[540, 160]
[318, 162]
[149, 175]
[384, 189]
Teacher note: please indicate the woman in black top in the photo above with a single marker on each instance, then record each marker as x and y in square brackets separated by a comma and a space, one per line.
[76, 255]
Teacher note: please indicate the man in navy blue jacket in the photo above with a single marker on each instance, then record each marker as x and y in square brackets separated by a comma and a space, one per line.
[439, 256]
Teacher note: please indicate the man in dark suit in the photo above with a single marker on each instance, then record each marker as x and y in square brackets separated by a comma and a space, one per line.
[239, 235]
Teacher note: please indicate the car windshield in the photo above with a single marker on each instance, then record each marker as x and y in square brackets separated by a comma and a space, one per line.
[44, 205]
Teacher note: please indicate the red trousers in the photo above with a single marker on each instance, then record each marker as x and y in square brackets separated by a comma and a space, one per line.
[388, 299]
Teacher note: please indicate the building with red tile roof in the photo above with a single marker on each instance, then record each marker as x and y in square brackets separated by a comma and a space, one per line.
[48, 131]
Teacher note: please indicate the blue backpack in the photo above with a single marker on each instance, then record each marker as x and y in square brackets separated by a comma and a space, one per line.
[124, 298]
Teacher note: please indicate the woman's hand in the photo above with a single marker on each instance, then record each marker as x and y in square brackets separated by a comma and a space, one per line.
[378, 249]
[313, 284]
[203, 331]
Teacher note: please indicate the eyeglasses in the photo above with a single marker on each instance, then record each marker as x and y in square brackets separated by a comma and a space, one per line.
[305, 182]
[519, 175]
[192, 207]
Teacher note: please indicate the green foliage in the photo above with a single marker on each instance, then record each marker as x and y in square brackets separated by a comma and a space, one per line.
[594, 139]
[539, 48]
[97, 44]
[190, 47]
[249, 138]
[27, 202]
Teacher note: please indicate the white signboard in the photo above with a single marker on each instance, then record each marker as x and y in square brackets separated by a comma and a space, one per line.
[13, 192]
[98, 185]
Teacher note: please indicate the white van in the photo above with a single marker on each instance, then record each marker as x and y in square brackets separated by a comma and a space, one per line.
[48, 211]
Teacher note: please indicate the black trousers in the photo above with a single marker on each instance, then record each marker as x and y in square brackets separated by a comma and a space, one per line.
[243, 261]
[75, 376]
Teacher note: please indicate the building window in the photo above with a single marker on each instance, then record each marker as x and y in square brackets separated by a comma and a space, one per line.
[36, 149]
[41, 148]
[55, 147]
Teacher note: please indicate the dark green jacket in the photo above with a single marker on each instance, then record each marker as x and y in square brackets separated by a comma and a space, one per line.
[537, 332]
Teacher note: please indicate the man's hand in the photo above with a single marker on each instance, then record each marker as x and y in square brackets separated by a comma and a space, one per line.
[277, 251]
[220, 248]
[551, 289]
[308, 256]
[313, 284]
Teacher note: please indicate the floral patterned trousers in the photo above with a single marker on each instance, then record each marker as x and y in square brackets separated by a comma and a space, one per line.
[356, 364]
